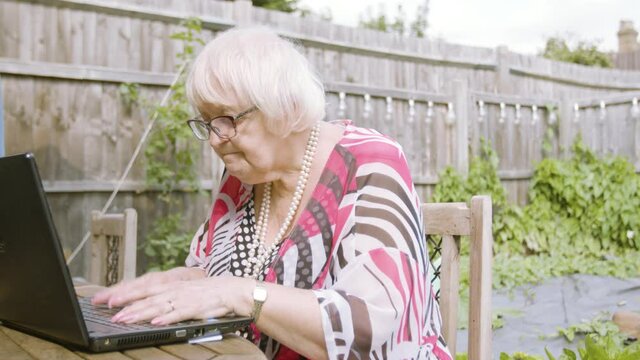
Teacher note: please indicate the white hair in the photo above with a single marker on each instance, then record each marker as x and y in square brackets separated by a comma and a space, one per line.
[245, 67]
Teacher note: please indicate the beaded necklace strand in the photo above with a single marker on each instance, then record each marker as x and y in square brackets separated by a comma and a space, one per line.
[258, 252]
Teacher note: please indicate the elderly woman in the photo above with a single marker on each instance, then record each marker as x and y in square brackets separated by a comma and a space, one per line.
[312, 217]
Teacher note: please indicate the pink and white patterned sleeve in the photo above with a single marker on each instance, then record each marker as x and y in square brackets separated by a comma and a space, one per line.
[378, 301]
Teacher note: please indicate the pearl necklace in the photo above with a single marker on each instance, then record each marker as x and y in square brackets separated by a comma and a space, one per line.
[257, 261]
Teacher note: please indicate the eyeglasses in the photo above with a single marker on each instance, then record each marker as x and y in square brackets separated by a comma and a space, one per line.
[223, 126]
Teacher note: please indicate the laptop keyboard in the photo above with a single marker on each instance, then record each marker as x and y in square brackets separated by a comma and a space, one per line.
[101, 314]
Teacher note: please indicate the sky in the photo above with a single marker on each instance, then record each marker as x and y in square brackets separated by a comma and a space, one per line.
[521, 25]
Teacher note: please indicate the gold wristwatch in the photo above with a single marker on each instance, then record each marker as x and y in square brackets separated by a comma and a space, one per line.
[259, 297]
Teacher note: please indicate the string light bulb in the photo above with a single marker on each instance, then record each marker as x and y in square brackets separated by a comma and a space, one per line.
[451, 115]
[342, 105]
[602, 115]
[389, 114]
[534, 115]
[412, 110]
[482, 112]
[553, 118]
[366, 110]
[428, 118]
[635, 110]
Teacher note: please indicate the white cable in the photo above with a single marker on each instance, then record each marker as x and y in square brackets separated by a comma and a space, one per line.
[136, 152]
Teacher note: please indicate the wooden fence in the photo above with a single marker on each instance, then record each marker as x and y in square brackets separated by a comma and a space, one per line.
[627, 61]
[62, 61]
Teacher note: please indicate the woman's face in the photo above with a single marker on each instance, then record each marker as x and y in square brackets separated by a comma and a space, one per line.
[251, 154]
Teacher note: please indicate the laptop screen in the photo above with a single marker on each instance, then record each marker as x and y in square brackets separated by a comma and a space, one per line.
[36, 292]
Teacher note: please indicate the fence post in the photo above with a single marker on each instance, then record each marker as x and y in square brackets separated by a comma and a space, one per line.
[242, 12]
[503, 77]
[565, 137]
[1, 120]
[461, 110]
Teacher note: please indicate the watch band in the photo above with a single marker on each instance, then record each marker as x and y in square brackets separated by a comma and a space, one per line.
[259, 297]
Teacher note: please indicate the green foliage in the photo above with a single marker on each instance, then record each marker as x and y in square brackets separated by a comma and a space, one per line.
[565, 231]
[130, 95]
[171, 155]
[519, 356]
[498, 314]
[170, 152]
[279, 5]
[482, 180]
[600, 326]
[594, 347]
[595, 202]
[399, 25]
[451, 187]
[167, 245]
[584, 53]
[581, 205]
[513, 270]
[608, 347]
[190, 38]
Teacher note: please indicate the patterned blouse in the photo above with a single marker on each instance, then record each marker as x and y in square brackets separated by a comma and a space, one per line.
[358, 244]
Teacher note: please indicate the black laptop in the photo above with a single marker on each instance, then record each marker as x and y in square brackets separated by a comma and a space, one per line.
[36, 290]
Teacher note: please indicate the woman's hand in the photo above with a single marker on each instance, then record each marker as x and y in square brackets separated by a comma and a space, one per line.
[126, 292]
[167, 303]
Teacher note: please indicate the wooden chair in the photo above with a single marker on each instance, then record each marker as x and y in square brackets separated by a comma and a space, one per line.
[113, 247]
[452, 220]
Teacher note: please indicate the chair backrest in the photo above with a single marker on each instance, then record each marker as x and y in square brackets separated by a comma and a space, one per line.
[452, 220]
[113, 247]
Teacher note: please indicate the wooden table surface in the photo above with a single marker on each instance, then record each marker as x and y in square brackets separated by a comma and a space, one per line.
[15, 345]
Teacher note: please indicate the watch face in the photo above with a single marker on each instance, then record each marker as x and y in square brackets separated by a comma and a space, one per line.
[259, 294]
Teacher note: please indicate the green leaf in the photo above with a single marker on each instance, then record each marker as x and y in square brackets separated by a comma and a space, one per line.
[570, 355]
[549, 355]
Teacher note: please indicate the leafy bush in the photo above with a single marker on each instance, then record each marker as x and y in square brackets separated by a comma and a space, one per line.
[603, 348]
[167, 245]
[583, 217]
[594, 347]
[584, 53]
[482, 179]
[582, 204]
[595, 201]
[563, 224]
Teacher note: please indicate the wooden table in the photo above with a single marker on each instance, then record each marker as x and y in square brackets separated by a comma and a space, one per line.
[15, 345]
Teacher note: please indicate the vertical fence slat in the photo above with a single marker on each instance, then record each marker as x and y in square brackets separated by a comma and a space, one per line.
[564, 130]
[461, 145]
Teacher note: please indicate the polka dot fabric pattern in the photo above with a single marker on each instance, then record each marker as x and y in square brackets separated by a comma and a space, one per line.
[358, 244]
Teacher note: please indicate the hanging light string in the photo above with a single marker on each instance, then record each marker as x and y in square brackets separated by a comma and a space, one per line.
[601, 107]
